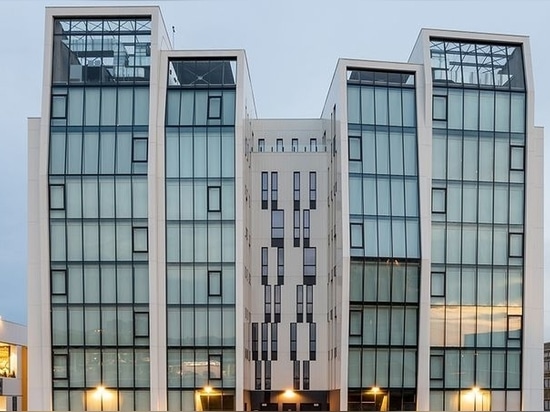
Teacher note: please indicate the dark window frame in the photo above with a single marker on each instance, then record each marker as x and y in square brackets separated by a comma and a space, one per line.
[514, 148]
[265, 189]
[444, 192]
[212, 206]
[63, 196]
[359, 156]
[211, 106]
[446, 104]
[135, 232]
[361, 244]
[135, 152]
[312, 190]
[138, 314]
[214, 280]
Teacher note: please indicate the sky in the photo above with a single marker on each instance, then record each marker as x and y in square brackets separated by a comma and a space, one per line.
[292, 48]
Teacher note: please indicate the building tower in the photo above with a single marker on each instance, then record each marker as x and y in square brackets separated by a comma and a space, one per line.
[185, 254]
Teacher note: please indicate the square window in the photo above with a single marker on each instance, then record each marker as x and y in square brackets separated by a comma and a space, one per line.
[57, 197]
[59, 282]
[141, 324]
[517, 158]
[140, 239]
[439, 108]
[214, 283]
[354, 148]
[59, 106]
[139, 150]
[214, 198]
[356, 232]
[516, 245]
[438, 284]
[439, 200]
[214, 107]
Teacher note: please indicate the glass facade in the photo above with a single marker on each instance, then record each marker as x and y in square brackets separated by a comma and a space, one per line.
[98, 214]
[384, 240]
[200, 234]
[478, 197]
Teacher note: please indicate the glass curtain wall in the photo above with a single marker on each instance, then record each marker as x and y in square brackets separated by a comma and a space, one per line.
[200, 234]
[98, 214]
[478, 197]
[384, 240]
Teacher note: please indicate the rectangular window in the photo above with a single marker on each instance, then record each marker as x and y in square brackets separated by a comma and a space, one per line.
[141, 324]
[312, 145]
[296, 228]
[277, 228]
[312, 190]
[306, 228]
[267, 385]
[312, 341]
[214, 107]
[59, 282]
[255, 341]
[258, 375]
[140, 239]
[356, 235]
[214, 198]
[517, 158]
[280, 265]
[306, 374]
[267, 303]
[264, 340]
[277, 291]
[139, 150]
[438, 284]
[355, 322]
[439, 108]
[296, 374]
[296, 190]
[274, 189]
[355, 151]
[261, 145]
[293, 341]
[215, 367]
[299, 303]
[57, 197]
[59, 106]
[310, 263]
[214, 283]
[514, 327]
[309, 303]
[265, 190]
[280, 147]
[516, 245]
[60, 363]
[439, 200]
[436, 367]
[294, 145]
[264, 266]
[274, 341]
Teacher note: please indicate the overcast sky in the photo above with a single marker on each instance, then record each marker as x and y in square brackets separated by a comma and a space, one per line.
[292, 48]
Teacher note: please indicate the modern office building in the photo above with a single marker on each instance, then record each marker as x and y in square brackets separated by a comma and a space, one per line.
[186, 254]
[13, 366]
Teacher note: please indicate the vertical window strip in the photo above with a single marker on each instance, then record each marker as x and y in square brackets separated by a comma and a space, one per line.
[265, 190]
[267, 303]
[274, 341]
[265, 340]
[277, 303]
[293, 341]
[264, 257]
[274, 190]
[299, 303]
[312, 190]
